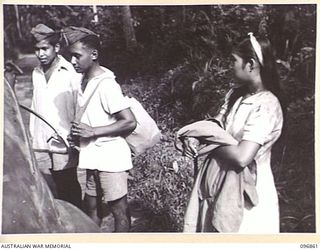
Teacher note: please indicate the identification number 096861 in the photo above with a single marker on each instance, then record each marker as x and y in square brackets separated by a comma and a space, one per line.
[308, 245]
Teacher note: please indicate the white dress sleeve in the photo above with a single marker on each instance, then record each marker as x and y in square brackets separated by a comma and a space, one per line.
[263, 123]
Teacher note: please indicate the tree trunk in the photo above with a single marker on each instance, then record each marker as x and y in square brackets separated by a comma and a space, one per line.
[95, 12]
[16, 10]
[128, 28]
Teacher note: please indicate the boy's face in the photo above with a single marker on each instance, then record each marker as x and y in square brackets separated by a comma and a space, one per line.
[46, 52]
[82, 57]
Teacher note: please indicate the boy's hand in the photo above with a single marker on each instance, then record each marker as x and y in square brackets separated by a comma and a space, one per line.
[71, 141]
[82, 130]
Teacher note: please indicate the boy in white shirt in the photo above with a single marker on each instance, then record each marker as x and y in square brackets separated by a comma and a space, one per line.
[55, 84]
[107, 117]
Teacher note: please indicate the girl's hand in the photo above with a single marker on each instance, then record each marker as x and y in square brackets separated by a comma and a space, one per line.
[190, 146]
[82, 130]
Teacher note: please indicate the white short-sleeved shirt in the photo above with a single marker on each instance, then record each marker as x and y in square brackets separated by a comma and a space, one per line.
[259, 119]
[111, 154]
[55, 100]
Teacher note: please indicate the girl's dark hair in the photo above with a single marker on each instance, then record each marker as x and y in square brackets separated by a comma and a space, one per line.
[268, 71]
[92, 42]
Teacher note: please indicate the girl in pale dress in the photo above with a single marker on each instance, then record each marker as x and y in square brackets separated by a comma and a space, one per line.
[252, 114]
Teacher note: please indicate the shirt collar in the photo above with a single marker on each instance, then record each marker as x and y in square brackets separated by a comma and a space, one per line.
[107, 74]
[62, 64]
[96, 80]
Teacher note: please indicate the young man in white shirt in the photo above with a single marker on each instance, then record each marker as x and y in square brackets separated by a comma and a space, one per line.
[104, 152]
[55, 86]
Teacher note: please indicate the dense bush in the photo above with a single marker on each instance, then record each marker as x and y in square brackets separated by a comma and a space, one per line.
[168, 35]
[205, 74]
[162, 178]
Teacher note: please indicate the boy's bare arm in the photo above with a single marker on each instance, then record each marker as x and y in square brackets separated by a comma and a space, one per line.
[125, 124]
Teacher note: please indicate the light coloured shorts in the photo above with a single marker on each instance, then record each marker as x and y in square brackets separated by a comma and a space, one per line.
[51, 161]
[110, 185]
[48, 162]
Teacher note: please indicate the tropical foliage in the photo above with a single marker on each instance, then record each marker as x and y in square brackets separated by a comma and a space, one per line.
[178, 65]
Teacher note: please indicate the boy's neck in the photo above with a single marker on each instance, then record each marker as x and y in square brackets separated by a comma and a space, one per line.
[48, 69]
[54, 62]
[95, 70]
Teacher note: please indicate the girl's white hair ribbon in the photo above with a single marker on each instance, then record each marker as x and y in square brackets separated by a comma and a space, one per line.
[256, 46]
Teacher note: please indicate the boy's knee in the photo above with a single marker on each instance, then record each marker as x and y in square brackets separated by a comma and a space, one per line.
[121, 202]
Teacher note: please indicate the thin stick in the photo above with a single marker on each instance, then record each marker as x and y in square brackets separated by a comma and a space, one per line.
[195, 167]
[46, 122]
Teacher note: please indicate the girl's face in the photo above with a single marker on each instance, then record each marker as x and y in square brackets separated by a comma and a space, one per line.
[81, 57]
[240, 70]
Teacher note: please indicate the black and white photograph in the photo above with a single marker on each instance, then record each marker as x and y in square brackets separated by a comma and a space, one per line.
[159, 119]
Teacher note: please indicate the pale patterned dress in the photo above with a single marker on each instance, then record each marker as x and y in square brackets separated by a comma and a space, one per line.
[258, 118]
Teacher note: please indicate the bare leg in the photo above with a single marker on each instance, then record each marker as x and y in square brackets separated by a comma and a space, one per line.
[120, 211]
[90, 205]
